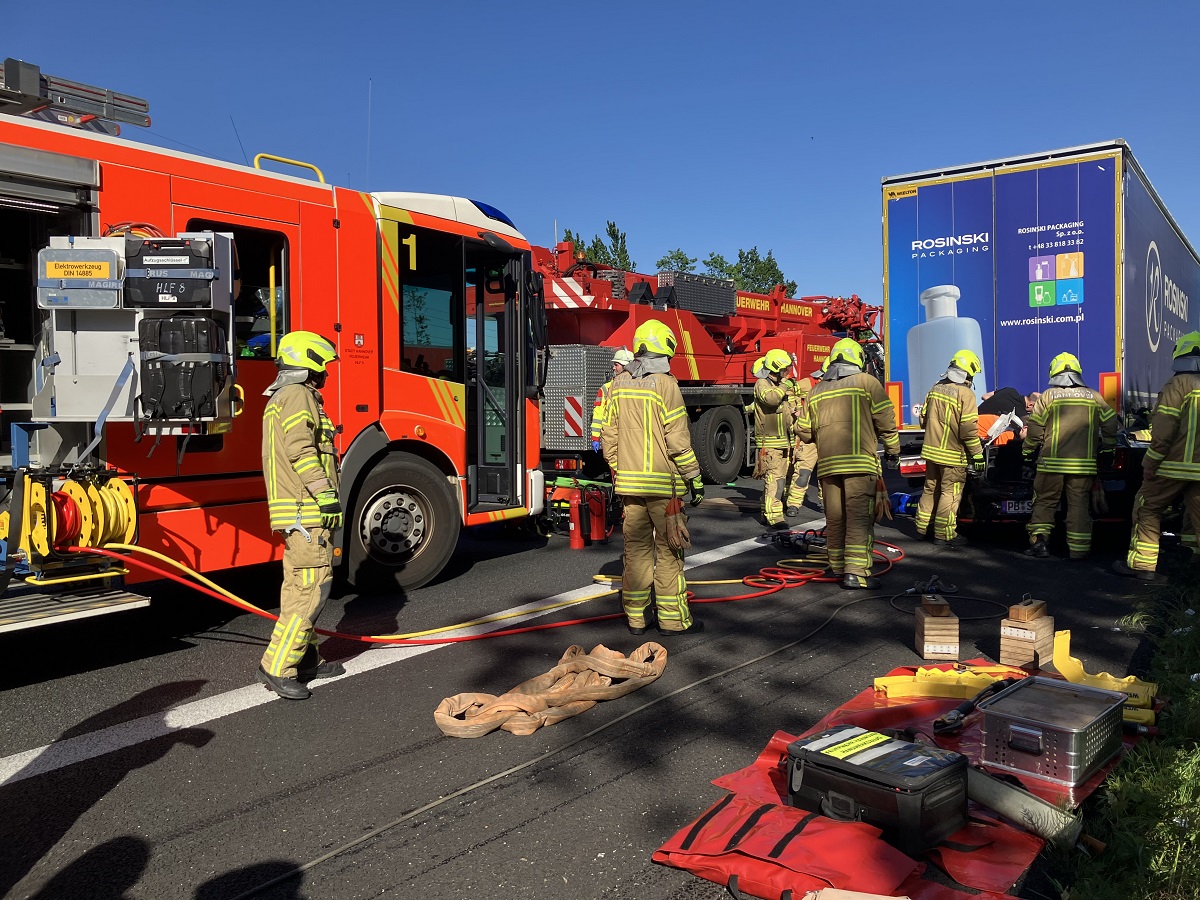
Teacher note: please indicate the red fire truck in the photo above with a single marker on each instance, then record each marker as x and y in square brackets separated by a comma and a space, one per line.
[115, 255]
[592, 310]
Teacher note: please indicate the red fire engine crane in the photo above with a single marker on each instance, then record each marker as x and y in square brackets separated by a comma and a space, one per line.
[593, 310]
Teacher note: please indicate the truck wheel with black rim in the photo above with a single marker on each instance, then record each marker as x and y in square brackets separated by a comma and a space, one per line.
[719, 439]
[405, 526]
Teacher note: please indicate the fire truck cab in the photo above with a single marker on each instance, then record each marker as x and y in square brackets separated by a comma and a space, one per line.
[430, 300]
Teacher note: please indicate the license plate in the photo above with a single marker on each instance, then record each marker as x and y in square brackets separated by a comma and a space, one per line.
[1017, 507]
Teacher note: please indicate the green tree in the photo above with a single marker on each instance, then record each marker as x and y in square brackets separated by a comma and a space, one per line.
[614, 253]
[677, 261]
[752, 272]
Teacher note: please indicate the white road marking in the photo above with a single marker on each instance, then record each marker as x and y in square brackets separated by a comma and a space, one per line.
[81, 748]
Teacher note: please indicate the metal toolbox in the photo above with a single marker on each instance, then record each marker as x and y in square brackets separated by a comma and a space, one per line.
[1051, 729]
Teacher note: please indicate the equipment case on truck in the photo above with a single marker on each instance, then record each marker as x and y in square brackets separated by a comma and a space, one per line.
[914, 793]
[183, 365]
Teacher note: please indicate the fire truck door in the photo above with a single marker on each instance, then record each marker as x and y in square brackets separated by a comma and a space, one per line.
[493, 443]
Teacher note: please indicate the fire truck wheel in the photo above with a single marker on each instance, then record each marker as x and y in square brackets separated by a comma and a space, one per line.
[406, 523]
[719, 439]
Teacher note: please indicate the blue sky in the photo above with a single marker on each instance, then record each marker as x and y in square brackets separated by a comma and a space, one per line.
[706, 126]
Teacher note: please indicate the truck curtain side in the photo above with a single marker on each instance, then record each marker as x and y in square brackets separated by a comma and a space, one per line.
[1069, 250]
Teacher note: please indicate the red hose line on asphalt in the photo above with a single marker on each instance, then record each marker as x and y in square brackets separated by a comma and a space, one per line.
[783, 578]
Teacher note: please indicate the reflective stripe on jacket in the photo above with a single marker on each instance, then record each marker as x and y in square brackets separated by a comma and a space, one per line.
[645, 437]
[1070, 425]
[950, 418]
[299, 459]
[772, 415]
[846, 419]
[600, 409]
[1175, 431]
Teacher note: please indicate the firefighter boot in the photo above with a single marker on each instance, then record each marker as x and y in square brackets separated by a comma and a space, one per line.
[311, 666]
[955, 543]
[1038, 549]
[860, 582]
[287, 688]
[1120, 567]
[651, 619]
[695, 627]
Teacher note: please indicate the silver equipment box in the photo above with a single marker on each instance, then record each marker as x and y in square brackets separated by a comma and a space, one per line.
[1051, 729]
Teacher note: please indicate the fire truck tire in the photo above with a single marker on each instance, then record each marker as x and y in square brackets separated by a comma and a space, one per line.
[719, 440]
[405, 526]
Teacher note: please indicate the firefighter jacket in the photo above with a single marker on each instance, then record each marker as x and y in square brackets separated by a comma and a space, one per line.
[299, 459]
[772, 414]
[600, 409]
[847, 418]
[645, 437]
[798, 395]
[1070, 424]
[950, 418]
[1175, 439]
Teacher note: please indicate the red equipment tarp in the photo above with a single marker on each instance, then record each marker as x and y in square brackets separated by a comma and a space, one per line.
[989, 855]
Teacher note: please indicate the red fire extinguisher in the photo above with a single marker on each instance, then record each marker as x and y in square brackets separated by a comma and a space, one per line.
[576, 520]
[597, 503]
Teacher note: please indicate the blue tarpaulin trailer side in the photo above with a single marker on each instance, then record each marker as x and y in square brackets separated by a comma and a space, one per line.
[1069, 250]
[1021, 259]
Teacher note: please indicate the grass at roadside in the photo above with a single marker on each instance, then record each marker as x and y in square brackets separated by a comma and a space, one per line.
[1148, 811]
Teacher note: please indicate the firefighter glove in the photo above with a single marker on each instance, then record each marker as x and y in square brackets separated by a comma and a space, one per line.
[891, 460]
[979, 464]
[596, 446]
[1105, 458]
[697, 489]
[331, 509]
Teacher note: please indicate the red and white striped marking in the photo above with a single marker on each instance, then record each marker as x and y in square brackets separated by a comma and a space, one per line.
[573, 416]
[566, 293]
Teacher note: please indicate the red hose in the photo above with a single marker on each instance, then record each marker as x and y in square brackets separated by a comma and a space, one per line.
[68, 521]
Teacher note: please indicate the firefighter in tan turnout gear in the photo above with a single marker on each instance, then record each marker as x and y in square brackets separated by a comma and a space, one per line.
[773, 420]
[848, 414]
[647, 444]
[1171, 467]
[621, 359]
[301, 469]
[950, 418]
[1069, 426]
[804, 456]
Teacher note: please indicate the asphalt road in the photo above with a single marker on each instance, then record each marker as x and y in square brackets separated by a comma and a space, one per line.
[139, 758]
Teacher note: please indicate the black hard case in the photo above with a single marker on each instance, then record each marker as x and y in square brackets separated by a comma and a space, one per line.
[164, 285]
[915, 805]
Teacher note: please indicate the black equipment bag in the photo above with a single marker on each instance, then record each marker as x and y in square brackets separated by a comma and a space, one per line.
[184, 366]
[914, 793]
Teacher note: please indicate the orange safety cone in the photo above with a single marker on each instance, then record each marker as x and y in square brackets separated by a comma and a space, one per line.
[576, 519]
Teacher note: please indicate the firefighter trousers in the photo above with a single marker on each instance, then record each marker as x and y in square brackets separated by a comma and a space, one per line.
[940, 499]
[850, 522]
[1048, 488]
[773, 468]
[803, 461]
[307, 582]
[1152, 501]
[648, 561]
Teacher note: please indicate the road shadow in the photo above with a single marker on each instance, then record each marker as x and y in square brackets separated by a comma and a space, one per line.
[106, 872]
[42, 803]
[237, 882]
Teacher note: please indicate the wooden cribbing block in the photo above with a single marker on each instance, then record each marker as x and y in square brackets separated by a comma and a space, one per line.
[937, 635]
[935, 605]
[1027, 610]
[1028, 644]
